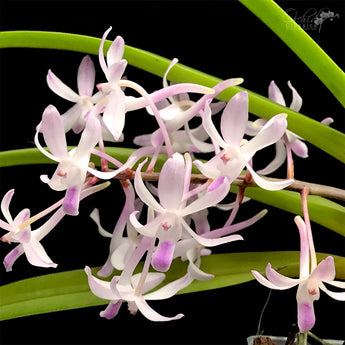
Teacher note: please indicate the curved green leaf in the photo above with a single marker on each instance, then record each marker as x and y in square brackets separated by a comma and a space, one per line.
[70, 290]
[324, 137]
[301, 44]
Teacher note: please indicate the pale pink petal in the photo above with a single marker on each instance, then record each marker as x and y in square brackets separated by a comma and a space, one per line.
[210, 127]
[89, 138]
[94, 215]
[296, 102]
[56, 85]
[304, 248]
[115, 72]
[36, 254]
[299, 148]
[325, 270]
[339, 296]
[73, 118]
[216, 192]
[143, 192]
[114, 114]
[207, 241]
[152, 315]
[262, 280]
[274, 94]
[101, 51]
[116, 50]
[281, 282]
[86, 77]
[12, 256]
[193, 256]
[327, 121]
[100, 288]
[272, 131]
[234, 118]
[5, 204]
[170, 289]
[150, 229]
[172, 174]
[53, 132]
[152, 280]
[266, 184]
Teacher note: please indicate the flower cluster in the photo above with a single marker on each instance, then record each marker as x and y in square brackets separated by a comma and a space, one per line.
[168, 220]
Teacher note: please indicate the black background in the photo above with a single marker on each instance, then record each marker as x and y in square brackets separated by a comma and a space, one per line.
[223, 39]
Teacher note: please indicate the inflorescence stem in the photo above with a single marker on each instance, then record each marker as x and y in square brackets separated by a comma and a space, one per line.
[298, 186]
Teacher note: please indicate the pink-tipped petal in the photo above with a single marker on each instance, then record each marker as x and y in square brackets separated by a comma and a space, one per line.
[172, 174]
[54, 132]
[339, 296]
[304, 248]
[5, 205]
[151, 314]
[57, 86]
[272, 131]
[115, 72]
[89, 138]
[296, 102]
[281, 282]
[143, 192]
[100, 288]
[266, 184]
[36, 254]
[101, 51]
[86, 77]
[274, 94]
[114, 114]
[208, 242]
[234, 119]
[116, 50]
[216, 192]
[299, 148]
[325, 270]
[170, 289]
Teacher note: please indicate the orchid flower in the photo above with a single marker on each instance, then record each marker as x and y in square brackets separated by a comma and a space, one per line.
[75, 117]
[29, 241]
[19, 230]
[73, 165]
[132, 288]
[290, 140]
[237, 152]
[116, 293]
[169, 223]
[121, 247]
[310, 280]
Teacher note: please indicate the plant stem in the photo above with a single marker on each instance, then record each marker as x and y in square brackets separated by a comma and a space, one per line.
[298, 186]
[302, 338]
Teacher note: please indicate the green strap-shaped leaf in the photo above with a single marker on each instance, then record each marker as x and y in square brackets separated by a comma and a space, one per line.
[324, 137]
[301, 44]
[70, 290]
